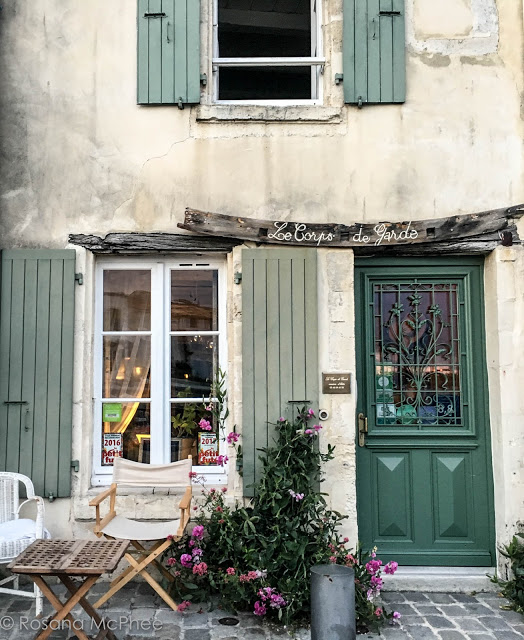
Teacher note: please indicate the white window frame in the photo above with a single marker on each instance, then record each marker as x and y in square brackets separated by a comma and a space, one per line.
[315, 61]
[160, 356]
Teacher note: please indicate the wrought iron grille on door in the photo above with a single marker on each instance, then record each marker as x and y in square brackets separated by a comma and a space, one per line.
[417, 354]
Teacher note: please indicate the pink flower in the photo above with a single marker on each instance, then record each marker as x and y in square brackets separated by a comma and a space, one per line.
[252, 575]
[260, 609]
[391, 567]
[224, 489]
[222, 460]
[317, 427]
[373, 566]
[170, 537]
[281, 419]
[177, 574]
[230, 571]
[219, 509]
[378, 612]
[197, 553]
[310, 413]
[186, 560]
[232, 437]
[369, 594]
[243, 578]
[350, 559]
[200, 569]
[309, 432]
[333, 559]
[209, 407]
[171, 562]
[396, 615]
[192, 474]
[184, 605]
[221, 521]
[205, 425]
[198, 532]
[376, 583]
[277, 601]
[345, 540]
[191, 543]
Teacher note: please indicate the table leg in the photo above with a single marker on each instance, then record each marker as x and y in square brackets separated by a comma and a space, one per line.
[88, 608]
[62, 610]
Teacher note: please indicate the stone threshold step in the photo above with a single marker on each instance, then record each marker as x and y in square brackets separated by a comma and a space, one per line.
[441, 579]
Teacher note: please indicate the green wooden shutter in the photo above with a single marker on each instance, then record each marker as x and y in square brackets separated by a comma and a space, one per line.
[374, 51]
[36, 366]
[168, 51]
[279, 344]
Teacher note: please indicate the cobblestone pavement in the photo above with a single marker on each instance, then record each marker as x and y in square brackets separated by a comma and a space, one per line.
[136, 614]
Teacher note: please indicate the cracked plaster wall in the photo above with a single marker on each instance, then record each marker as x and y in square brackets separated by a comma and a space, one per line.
[79, 156]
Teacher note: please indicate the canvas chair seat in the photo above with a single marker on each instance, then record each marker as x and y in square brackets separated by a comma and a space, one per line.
[127, 473]
[123, 528]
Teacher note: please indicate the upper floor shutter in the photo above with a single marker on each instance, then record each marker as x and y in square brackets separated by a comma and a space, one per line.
[36, 366]
[168, 51]
[279, 345]
[374, 51]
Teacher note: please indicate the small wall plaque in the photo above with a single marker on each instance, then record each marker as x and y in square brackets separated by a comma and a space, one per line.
[336, 383]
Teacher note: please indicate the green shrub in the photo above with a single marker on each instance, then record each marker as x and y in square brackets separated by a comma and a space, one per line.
[259, 557]
[513, 589]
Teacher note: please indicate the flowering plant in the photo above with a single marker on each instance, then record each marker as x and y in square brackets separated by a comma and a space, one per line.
[259, 557]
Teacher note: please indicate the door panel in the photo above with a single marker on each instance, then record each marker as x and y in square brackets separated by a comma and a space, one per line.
[423, 473]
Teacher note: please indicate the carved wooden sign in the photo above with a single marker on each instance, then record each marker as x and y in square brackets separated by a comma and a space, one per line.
[358, 234]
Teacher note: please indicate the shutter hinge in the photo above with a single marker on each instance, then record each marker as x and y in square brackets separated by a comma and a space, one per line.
[389, 13]
[238, 277]
[154, 15]
[51, 497]
[75, 465]
[359, 102]
[339, 77]
[180, 103]
[203, 79]
[79, 277]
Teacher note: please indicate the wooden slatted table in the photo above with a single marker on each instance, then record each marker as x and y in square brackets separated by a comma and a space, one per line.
[87, 559]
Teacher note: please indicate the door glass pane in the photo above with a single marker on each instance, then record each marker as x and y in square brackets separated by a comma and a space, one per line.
[126, 431]
[194, 301]
[127, 300]
[417, 354]
[192, 365]
[127, 366]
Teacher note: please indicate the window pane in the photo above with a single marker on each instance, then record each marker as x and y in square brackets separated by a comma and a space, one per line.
[265, 83]
[127, 367]
[188, 436]
[193, 361]
[194, 300]
[127, 300]
[126, 431]
[273, 29]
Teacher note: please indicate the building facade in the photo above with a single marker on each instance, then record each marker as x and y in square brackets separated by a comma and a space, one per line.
[380, 127]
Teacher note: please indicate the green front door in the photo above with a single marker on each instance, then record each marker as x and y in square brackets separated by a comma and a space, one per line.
[424, 478]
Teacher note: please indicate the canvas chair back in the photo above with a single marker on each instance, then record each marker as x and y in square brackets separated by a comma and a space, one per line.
[137, 474]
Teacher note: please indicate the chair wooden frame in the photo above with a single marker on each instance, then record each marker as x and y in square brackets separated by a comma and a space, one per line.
[140, 557]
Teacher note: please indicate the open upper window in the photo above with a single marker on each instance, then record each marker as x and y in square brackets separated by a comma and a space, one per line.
[266, 50]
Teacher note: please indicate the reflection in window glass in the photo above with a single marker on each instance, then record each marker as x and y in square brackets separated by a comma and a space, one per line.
[194, 300]
[193, 432]
[127, 365]
[193, 363]
[126, 431]
[127, 300]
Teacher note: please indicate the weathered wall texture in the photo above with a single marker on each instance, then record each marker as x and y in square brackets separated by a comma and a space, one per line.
[79, 156]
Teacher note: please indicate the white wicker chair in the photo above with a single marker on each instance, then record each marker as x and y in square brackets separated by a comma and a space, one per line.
[18, 533]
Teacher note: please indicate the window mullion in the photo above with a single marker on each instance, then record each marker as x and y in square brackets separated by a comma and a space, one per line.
[158, 437]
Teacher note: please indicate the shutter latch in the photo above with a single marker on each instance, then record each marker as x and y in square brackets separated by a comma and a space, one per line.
[75, 465]
[154, 15]
[79, 277]
[180, 103]
[339, 78]
[389, 13]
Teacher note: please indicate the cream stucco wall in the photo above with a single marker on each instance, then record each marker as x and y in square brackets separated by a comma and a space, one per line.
[79, 156]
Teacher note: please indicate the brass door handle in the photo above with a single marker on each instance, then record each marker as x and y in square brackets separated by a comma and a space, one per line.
[362, 429]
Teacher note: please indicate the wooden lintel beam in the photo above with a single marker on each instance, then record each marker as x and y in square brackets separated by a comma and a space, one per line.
[357, 234]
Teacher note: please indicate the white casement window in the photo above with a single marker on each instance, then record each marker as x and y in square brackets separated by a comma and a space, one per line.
[159, 343]
[267, 51]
